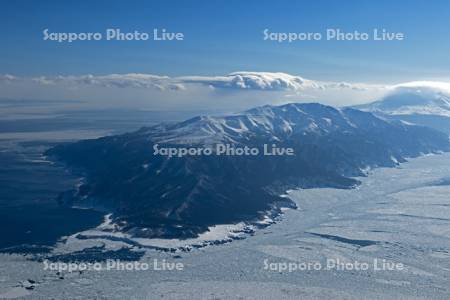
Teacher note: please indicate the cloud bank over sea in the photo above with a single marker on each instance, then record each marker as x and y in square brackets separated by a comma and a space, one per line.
[234, 91]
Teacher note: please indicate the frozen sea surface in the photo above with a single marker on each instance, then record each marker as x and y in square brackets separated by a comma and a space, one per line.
[399, 215]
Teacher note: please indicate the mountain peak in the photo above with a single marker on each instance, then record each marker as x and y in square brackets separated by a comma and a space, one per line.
[271, 122]
[420, 98]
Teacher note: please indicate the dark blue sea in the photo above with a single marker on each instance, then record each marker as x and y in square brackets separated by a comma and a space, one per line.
[30, 218]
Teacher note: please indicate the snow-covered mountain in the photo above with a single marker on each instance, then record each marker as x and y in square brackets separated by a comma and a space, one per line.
[159, 196]
[424, 103]
[273, 123]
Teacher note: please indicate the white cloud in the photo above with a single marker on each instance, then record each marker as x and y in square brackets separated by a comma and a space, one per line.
[234, 91]
[133, 80]
[254, 81]
[423, 87]
[264, 81]
[7, 78]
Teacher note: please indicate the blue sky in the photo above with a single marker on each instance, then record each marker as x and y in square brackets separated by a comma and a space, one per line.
[226, 36]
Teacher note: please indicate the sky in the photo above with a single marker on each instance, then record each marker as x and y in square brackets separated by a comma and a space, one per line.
[220, 37]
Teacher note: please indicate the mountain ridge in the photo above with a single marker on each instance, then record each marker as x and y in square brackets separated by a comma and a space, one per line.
[157, 196]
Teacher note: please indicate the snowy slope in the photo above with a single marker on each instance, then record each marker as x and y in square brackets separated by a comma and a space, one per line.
[183, 196]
